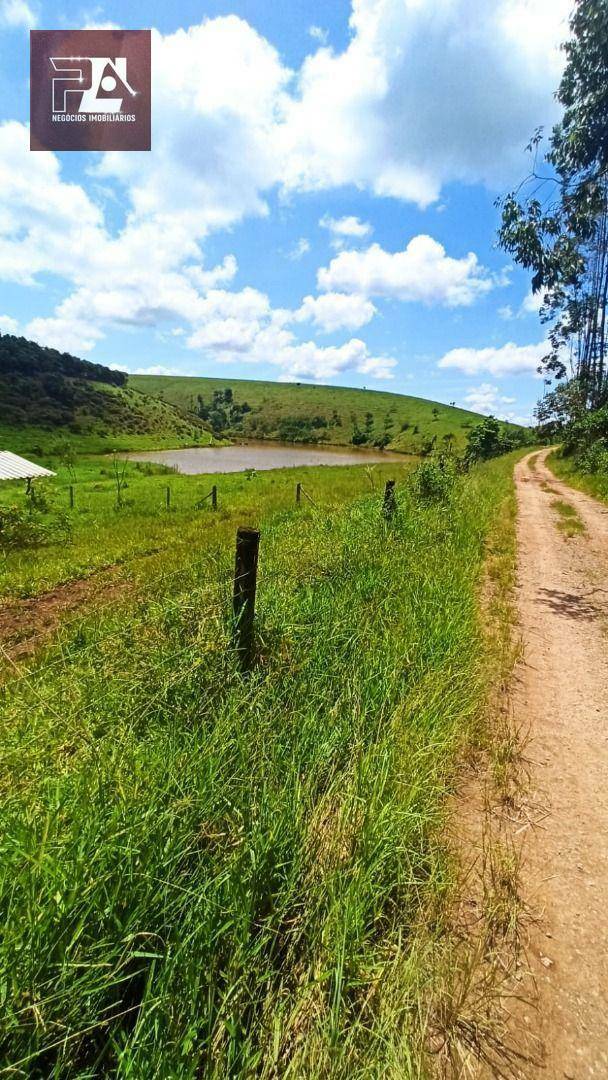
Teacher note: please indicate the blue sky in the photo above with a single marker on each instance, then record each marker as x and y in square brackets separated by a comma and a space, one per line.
[318, 202]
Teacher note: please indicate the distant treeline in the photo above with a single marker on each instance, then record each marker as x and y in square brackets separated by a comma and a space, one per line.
[45, 388]
[18, 356]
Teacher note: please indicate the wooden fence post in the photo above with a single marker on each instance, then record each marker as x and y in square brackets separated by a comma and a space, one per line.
[389, 503]
[243, 600]
[214, 497]
[168, 497]
[71, 496]
[298, 494]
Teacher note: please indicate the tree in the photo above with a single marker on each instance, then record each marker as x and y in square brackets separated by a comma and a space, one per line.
[483, 441]
[559, 229]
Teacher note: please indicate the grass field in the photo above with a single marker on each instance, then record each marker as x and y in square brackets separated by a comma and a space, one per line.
[212, 875]
[272, 402]
[105, 536]
[595, 484]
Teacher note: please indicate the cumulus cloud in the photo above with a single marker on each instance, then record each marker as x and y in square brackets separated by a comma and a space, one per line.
[348, 228]
[531, 303]
[336, 311]
[219, 93]
[509, 359]
[243, 326]
[489, 400]
[406, 107]
[8, 325]
[17, 14]
[421, 272]
[425, 94]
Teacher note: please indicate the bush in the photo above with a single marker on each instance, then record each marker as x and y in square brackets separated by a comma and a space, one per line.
[32, 525]
[594, 459]
[434, 479]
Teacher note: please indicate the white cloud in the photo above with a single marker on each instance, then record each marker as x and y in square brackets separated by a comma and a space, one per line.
[336, 311]
[487, 399]
[8, 325]
[490, 401]
[509, 359]
[405, 108]
[219, 92]
[422, 272]
[155, 369]
[17, 13]
[222, 274]
[243, 326]
[299, 249]
[426, 93]
[349, 227]
[531, 303]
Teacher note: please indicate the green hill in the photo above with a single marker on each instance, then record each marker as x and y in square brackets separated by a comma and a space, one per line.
[305, 413]
[47, 396]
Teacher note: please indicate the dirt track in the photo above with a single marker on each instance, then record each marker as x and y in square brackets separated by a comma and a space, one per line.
[561, 699]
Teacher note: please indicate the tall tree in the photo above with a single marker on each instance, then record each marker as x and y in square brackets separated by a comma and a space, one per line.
[557, 224]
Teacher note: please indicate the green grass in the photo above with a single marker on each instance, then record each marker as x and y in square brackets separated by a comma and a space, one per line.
[595, 484]
[569, 521]
[271, 402]
[208, 875]
[143, 529]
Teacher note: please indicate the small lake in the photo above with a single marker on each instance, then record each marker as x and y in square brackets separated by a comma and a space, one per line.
[261, 455]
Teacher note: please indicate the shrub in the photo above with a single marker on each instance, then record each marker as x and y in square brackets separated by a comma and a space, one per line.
[434, 479]
[32, 525]
[594, 459]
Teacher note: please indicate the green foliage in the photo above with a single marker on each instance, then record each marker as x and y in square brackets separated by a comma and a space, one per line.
[562, 237]
[434, 479]
[53, 403]
[223, 413]
[298, 429]
[34, 523]
[492, 438]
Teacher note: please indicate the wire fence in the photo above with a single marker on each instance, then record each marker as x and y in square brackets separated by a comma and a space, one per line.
[228, 598]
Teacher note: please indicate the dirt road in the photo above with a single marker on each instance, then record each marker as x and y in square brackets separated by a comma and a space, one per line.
[561, 698]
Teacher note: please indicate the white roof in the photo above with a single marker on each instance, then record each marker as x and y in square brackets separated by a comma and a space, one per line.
[13, 467]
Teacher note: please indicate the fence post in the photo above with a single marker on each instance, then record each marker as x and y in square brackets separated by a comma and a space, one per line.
[243, 601]
[389, 503]
[168, 497]
[214, 498]
[71, 496]
[298, 494]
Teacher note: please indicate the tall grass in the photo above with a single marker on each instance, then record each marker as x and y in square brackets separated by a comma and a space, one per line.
[210, 875]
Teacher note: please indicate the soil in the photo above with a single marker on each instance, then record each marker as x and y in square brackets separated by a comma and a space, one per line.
[25, 624]
[561, 700]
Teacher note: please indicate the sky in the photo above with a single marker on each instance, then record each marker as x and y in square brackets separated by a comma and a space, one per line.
[318, 204]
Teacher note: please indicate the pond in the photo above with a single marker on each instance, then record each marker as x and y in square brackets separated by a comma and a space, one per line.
[261, 455]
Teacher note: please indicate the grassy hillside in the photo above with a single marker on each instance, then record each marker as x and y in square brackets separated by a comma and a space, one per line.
[206, 875]
[327, 413]
[47, 397]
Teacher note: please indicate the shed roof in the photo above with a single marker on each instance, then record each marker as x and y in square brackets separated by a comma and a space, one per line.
[13, 467]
